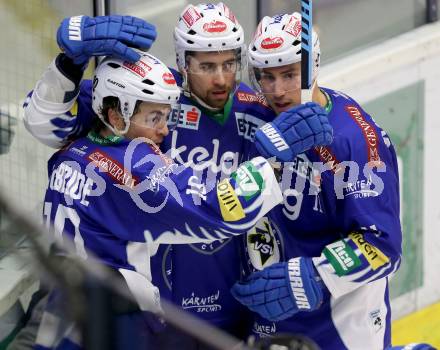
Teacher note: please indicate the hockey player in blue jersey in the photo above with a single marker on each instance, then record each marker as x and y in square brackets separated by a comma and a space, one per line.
[214, 133]
[114, 192]
[339, 227]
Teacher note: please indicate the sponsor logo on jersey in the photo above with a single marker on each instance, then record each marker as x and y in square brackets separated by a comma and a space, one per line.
[263, 330]
[249, 180]
[189, 117]
[272, 43]
[273, 135]
[228, 14]
[200, 158]
[376, 320]
[262, 246]
[296, 284]
[115, 170]
[327, 157]
[203, 304]
[373, 255]
[140, 68]
[341, 257]
[293, 27]
[252, 98]
[247, 125]
[230, 205]
[79, 151]
[168, 78]
[214, 27]
[191, 16]
[360, 189]
[368, 131]
[75, 28]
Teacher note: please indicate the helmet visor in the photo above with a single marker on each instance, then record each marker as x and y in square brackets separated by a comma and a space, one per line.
[277, 80]
[156, 115]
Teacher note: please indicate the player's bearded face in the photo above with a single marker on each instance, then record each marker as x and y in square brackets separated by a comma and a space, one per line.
[281, 86]
[212, 76]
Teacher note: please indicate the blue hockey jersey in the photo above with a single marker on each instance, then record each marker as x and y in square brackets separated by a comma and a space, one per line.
[198, 277]
[341, 207]
[117, 200]
[213, 146]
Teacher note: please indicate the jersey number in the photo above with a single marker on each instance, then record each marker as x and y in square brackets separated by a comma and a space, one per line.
[62, 214]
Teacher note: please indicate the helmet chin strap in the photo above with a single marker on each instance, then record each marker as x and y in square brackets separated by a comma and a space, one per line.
[114, 130]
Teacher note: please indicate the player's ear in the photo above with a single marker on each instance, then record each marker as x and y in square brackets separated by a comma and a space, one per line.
[115, 119]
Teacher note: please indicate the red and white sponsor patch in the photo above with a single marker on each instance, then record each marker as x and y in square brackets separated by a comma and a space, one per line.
[189, 117]
[168, 78]
[214, 27]
[191, 16]
[140, 68]
[115, 170]
[251, 98]
[229, 14]
[368, 131]
[327, 157]
[272, 43]
[293, 27]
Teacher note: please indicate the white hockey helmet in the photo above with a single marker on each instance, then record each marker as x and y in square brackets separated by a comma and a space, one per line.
[206, 27]
[277, 42]
[147, 80]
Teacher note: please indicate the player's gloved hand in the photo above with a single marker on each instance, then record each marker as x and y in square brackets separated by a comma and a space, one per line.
[294, 132]
[281, 290]
[82, 37]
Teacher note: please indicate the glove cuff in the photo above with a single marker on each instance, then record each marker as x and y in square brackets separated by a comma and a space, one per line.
[73, 72]
[305, 284]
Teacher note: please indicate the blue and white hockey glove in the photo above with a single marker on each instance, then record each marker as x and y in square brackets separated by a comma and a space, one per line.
[281, 290]
[294, 132]
[82, 37]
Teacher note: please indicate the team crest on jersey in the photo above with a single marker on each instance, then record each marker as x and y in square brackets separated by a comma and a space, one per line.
[262, 245]
[189, 117]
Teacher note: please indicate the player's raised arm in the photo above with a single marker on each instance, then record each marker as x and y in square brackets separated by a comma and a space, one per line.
[59, 107]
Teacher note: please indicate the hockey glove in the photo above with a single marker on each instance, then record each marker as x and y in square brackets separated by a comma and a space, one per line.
[281, 290]
[82, 37]
[294, 132]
